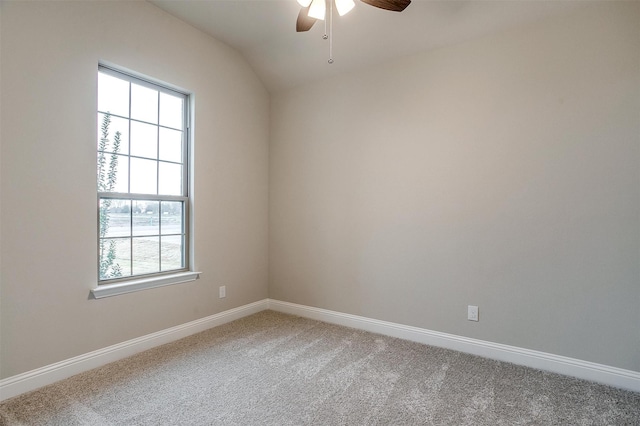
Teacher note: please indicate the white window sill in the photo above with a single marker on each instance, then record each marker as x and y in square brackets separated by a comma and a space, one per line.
[107, 290]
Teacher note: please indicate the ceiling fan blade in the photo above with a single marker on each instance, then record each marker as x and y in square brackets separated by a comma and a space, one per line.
[304, 22]
[393, 5]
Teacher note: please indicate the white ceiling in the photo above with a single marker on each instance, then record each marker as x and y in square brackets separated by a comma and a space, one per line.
[263, 31]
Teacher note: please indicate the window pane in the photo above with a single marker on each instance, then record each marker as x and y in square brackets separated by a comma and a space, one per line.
[146, 255]
[170, 145]
[115, 218]
[113, 95]
[171, 252]
[171, 114]
[115, 258]
[140, 236]
[170, 179]
[146, 217]
[144, 176]
[171, 217]
[144, 103]
[116, 124]
[144, 140]
[113, 173]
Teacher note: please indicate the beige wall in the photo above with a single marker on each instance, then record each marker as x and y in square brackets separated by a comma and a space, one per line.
[503, 172]
[50, 53]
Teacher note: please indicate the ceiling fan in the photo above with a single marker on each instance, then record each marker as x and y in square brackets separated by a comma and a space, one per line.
[313, 10]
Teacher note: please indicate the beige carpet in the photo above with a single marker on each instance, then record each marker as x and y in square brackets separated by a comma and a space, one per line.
[276, 369]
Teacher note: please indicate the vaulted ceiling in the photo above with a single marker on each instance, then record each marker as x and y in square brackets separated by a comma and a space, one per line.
[263, 31]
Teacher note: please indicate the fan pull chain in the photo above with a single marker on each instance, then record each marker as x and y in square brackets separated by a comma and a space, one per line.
[325, 36]
[330, 36]
[330, 32]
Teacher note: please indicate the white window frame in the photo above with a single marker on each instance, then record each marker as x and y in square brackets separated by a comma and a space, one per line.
[131, 283]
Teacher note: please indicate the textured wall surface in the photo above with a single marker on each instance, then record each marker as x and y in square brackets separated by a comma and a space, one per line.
[503, 172]
[50, 54]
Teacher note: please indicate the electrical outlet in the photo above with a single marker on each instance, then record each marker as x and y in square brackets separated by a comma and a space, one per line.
[472, 313]
[223, 291]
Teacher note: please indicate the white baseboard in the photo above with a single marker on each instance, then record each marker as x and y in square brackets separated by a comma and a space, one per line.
[34, 379]
[612, 376]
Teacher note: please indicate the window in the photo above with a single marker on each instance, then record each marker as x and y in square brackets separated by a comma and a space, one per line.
[142, 177]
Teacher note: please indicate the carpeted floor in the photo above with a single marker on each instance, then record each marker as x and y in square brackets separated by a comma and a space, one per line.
[276, 369]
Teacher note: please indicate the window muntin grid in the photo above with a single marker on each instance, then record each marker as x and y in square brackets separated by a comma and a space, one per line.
[146, 207]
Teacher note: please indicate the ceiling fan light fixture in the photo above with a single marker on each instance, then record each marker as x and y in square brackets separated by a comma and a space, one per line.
[318, 9]
[344, 6]
[304, 3]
